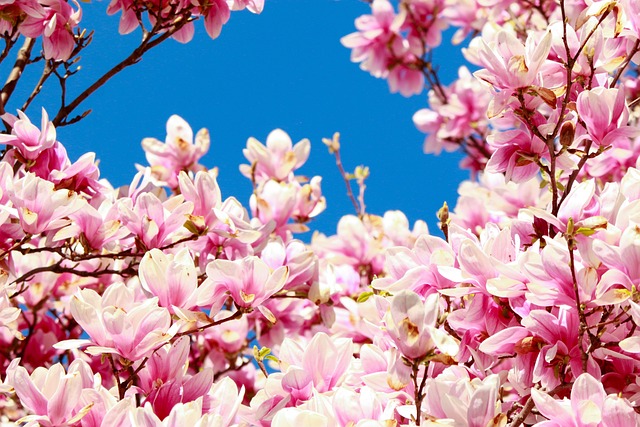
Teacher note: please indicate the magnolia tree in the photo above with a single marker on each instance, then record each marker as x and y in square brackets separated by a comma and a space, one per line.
[161, 303]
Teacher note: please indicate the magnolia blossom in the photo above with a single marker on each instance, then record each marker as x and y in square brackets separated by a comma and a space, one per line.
[411, 324]
[40, 206]
[374, 32]
[383, 50]
[173, 279]
[254, 6]
[588, 405]
[248, 281]
[26, 137]
[317, 365]
[518, 154]
[511, 65]
[117, 324]
[605, 114]
[275, 160]
[178, 153]
[154, 222]
[55, 21]
[52, 395]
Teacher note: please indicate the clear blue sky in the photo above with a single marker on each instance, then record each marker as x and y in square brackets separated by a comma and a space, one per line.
[282, 69]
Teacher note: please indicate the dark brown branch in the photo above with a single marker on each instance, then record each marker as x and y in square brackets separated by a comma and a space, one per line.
[236, 315]
[528, 407]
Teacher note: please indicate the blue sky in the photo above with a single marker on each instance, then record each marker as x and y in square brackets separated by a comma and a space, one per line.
[282, 69]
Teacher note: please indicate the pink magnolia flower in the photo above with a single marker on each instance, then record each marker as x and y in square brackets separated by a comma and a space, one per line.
[606, 115]
[406, 77]
[52, 161]
[356, 243]
[509, 64]
[174, 392]
[254, 6]
[275, 160]
[203, 191]
[589, 405]
[229, 232]
[463, 114]
[582, 206]
[632, 10]
[117, 324]
[232, 235]
[595, 46]
[427, 21]
[51, 395]
[370, 44]
[81, 176]
[317, 365]
[353, 407]
[171, 278]
[301, 261]
[517, 154]
[281, 201]
[153, 222]
[27, 139]
[550, 281]
[249, 282]
[97, 228]
[54, 20]
[9, 314]
[216, 14]
[128, 19]
[178, 153]
[40, 207]
[454, 399]
[416, 269]
[223, 402]
[411, 324]
[127, 414]
[310, 201]
[167, 364]
[293, 417]
[546, 348]
[274, 201]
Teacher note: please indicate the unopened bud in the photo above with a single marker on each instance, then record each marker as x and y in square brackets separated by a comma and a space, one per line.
[567, 133]
[443, 213]
[547, 96]
[333, 144]
[361, 173]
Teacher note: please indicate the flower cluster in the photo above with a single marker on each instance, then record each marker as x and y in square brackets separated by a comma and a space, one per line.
[178, 16]
[162, 303]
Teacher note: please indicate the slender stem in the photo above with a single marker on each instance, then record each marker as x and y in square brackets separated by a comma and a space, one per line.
[528, 407]
[419, 388]
[116, 375]
[16, 245]
[583, 320]
[235, 315]
[524, 413]
[49, 68]
[347, 182]
[574, 174]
